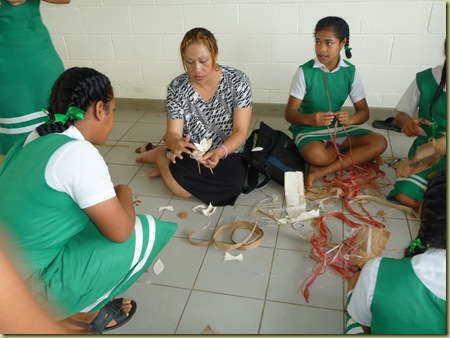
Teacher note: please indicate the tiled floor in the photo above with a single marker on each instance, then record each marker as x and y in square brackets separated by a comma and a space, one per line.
[258, 295]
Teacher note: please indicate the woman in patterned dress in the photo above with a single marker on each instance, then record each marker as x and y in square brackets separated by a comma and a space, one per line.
[78, 240]
[29, 65]
[209, 101]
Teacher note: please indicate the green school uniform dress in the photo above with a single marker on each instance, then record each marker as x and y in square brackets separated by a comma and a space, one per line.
[316, 99]
[414, 185]
[29, 65]
[65, 261]
[406, 307]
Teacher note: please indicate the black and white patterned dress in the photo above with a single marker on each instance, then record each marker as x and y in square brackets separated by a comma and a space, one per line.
[212, 119]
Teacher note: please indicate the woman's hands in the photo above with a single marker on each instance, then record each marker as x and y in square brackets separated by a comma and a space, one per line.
[181, 146]
[210, 159]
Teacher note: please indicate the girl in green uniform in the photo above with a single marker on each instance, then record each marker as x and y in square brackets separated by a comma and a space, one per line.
[428, 94]
[29, 65]
[78, 240]
[318, 91]
[409, 295]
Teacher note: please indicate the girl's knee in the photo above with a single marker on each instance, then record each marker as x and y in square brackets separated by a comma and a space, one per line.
[319, 156]
[375, 143]
[381, 142]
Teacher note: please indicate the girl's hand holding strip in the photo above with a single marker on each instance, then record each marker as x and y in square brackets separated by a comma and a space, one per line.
[412, 128]
[323, 118]
[342, 117]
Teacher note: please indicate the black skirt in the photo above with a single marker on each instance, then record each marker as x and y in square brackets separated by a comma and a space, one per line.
[222, 187]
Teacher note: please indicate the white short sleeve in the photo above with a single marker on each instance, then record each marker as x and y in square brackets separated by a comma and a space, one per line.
[361, 301]
[409, 102]
[298, 84]
[357, 92]
[78, 169]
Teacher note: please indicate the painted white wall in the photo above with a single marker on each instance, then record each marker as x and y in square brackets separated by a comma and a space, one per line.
[136, 42]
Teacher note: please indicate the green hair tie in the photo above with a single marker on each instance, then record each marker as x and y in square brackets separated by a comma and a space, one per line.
[347, 48]
[73, 113]
[416, 243]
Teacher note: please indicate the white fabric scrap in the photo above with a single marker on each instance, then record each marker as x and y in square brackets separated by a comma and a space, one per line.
[257, 149]
[167, 207]
[200, 206]
[158, 267]
[207, 211]
[230, 257]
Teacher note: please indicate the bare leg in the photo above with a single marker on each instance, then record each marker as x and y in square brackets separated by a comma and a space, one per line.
[316, 153]
[158, 156]
[364, 148]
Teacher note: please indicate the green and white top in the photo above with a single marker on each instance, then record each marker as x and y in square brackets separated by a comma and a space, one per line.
[402, 296]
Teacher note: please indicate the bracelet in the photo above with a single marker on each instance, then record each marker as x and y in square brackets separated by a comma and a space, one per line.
[226, 151]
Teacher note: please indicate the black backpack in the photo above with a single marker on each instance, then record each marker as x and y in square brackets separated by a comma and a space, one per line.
[279, 155]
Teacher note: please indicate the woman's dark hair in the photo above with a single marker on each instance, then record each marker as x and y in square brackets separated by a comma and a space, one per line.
[442, 82]
[79, 87]
[433, 224]
[340, 28]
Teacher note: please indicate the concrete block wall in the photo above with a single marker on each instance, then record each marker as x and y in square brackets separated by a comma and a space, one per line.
[136, 42]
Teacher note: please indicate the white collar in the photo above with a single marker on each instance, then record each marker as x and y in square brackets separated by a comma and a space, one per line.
[340, 64]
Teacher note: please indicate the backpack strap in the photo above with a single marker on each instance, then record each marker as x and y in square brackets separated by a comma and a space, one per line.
[252, 180]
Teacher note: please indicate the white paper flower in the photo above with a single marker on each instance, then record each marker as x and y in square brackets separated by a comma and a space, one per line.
[204, 145]
[202, 148]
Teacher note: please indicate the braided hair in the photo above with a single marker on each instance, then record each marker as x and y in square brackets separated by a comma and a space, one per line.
[341, 30]
[433, 225]
[79, 87]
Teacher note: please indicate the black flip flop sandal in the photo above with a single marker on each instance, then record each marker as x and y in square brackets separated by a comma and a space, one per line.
[110, 311]
[388, 124]
[147, 146]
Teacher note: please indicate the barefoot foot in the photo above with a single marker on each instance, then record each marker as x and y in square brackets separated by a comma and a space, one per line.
[313, 175]
[154, 173]
[152, 155]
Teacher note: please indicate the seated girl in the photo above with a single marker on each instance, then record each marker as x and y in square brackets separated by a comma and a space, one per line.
[318, 124]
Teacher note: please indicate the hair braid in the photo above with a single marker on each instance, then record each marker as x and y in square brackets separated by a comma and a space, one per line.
[441, 86]
[78, 87]
[433, 225]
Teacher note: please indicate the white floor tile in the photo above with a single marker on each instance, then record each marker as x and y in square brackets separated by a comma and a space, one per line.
[159, 309]
[290, 274]
[258, 295]
[291, 319]
[247, 278]
[223, 313]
